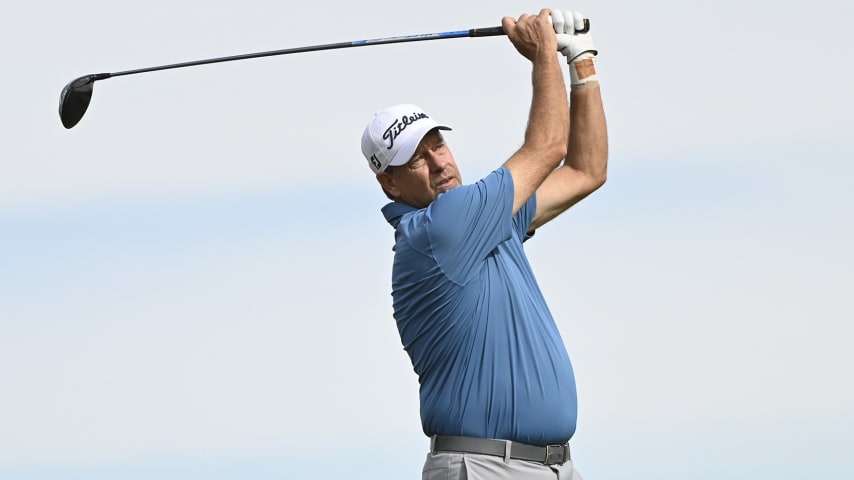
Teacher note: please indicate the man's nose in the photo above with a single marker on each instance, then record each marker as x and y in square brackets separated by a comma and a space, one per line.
[437, 161]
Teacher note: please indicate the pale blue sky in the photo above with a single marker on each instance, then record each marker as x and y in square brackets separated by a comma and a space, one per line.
[194, 281]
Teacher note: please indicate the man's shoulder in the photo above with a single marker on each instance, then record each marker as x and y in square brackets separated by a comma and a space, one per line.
[394, 211]
[451, 201]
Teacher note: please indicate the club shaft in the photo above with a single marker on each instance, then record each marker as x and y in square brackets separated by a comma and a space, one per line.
[474, 32]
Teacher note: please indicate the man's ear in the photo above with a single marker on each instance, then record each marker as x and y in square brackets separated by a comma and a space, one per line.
[387, 183]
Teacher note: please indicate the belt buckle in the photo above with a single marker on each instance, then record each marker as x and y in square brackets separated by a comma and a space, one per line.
[556, 454]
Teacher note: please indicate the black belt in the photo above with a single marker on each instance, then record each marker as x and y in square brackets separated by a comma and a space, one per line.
[545, 454]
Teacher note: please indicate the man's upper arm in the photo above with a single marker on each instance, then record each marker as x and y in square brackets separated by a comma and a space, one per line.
[529, 171]
[562, 189]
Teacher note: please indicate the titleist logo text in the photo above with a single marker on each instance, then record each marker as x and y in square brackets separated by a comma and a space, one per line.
[400, 125]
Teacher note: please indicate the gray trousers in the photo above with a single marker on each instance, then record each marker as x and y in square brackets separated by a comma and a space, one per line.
[472, 466]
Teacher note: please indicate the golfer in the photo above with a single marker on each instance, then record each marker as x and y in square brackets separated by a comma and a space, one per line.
[497, 389]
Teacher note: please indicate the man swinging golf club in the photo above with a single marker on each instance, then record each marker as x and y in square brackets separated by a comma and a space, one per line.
[498, 396]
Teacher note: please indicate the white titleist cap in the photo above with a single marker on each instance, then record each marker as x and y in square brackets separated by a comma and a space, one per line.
[394, 134]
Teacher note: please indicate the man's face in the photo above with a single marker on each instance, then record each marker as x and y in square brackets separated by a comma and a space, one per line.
[431, 171]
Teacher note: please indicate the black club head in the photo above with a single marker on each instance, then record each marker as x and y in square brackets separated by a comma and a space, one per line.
[75, 98]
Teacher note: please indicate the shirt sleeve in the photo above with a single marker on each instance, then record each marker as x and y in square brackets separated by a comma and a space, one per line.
[467, 223]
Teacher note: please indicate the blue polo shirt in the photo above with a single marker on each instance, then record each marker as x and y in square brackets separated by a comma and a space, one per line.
[489, 358]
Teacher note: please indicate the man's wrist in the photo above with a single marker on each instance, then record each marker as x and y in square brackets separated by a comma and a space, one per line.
[582, 70]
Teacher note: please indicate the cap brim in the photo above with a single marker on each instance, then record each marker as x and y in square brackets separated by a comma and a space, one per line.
[404, 155]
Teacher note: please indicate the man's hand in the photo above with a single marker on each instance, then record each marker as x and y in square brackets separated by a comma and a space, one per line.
[570, 42]
[532, 35]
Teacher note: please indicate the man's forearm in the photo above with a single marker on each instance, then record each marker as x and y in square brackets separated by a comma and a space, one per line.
[548, 118]
[587, 147]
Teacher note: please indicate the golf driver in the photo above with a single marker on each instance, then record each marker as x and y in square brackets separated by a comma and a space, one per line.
[76, 95]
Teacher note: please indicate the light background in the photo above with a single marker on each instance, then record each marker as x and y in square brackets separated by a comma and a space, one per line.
[194, 281]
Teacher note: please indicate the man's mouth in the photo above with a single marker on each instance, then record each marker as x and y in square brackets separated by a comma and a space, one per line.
[445, 183]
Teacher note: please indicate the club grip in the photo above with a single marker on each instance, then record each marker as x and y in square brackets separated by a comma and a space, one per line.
[487, 32]
[493, 31]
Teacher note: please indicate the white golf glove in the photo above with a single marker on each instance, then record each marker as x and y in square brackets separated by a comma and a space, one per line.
[575, 45]
[570, 41]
